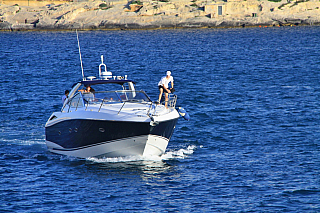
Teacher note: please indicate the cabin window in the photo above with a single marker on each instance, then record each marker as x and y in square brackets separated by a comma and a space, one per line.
[53, 117]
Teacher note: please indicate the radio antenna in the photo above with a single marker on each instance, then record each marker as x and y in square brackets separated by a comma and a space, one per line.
[80, 55]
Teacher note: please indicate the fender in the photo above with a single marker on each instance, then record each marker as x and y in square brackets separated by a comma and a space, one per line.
[183, 113]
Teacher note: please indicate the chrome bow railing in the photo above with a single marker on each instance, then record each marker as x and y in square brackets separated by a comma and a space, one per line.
[81, 100]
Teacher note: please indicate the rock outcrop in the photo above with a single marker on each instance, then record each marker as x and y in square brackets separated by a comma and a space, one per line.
[158, 14]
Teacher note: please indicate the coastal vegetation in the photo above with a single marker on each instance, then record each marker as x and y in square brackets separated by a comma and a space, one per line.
[137, 2]
[103, 6]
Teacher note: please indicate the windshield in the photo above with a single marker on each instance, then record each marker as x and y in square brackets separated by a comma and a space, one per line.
[116, 96]
[99, 98]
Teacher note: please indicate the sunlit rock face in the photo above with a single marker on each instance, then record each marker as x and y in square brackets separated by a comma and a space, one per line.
[155, 14]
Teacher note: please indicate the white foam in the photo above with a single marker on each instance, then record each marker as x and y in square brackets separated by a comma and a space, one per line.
[124, 159]
[24, 142]
[179, 154]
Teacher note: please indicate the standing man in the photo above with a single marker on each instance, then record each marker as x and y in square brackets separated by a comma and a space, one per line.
[164, 86]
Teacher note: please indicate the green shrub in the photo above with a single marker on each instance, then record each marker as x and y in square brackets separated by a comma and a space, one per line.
[275, 0]
[138, 2]
[103, 5]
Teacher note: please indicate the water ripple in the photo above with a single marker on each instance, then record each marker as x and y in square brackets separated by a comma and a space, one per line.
[252, 144]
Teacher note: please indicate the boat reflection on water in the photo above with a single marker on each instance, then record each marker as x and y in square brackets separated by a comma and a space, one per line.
[143, 166]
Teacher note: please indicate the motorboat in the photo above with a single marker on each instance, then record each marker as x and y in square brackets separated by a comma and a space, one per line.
[113, 119]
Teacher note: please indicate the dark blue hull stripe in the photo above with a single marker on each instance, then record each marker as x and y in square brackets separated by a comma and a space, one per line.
[76, 133]
[98, 144]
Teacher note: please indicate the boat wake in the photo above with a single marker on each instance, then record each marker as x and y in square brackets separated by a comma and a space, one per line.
[179, 154]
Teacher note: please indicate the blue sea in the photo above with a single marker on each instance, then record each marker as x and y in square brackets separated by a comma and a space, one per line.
[252, 144]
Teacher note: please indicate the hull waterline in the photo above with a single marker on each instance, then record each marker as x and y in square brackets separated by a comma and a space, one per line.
[136, 146]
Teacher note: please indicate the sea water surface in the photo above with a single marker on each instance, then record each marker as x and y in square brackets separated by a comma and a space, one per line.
[252, 144]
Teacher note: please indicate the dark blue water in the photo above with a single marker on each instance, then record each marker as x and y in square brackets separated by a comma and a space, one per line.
[252, 145]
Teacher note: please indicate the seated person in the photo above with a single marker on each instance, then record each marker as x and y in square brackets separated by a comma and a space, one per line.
[88, 93]
[87, 89]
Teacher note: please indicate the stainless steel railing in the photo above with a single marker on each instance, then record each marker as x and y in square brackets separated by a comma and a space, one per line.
[81, 100]
[172, 100]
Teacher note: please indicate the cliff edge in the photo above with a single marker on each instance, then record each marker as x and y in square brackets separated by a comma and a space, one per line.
[118, 14]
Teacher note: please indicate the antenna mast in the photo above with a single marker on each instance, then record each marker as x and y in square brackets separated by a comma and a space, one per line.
[80, 55]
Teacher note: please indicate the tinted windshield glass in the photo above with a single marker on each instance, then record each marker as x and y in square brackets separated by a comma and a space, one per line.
[106, 87]
[133, 96]
[76, 101]
[123, 95]
[107, 96]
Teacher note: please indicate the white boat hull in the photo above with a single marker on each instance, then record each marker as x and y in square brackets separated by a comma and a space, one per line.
[108, 123]
[140, 145]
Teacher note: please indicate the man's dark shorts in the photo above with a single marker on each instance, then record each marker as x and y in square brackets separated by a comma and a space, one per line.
[164, 90]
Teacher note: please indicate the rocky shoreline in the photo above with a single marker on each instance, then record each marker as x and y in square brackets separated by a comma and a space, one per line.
[125, 15]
